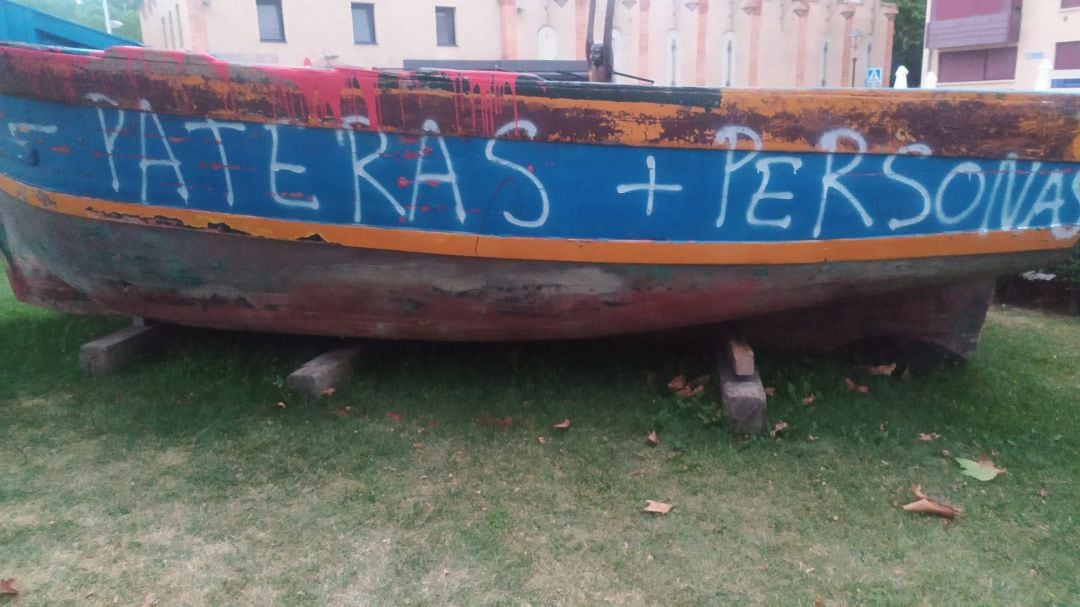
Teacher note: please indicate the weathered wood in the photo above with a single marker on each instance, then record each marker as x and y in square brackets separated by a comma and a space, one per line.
[325, 371]
[741, 356]
[107, 354]
[743, 402]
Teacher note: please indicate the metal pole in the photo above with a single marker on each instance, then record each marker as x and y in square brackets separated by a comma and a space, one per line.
[854, 60]
[108, 21]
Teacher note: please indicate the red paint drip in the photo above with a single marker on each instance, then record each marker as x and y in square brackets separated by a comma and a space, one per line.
[405, 82]
[485, 92]
[61, 149]
[403, 182]
[322, 92]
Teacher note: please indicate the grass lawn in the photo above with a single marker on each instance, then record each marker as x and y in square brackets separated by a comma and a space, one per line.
[179, 481]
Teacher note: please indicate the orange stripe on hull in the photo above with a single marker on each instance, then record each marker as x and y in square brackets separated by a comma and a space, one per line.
[551, 249]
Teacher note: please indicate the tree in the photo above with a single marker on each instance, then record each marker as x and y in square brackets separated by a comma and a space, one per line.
[91, 14]
[908, 38]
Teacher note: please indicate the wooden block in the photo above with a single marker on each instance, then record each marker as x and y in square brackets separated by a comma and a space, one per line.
[105, 355]
[743, 402]
[741, 356]
[325, 371]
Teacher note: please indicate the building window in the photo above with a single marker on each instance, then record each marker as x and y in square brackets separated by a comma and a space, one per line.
[172, 32]
[728, 63]
[674, 59]
[271, 24]
[961, 9]
[547, 43]
[825, 63]
[616, 49]
[982, 64]
[1070, 3]
[1067, 56]
[363, 23]
[445, 31]
[179, 26]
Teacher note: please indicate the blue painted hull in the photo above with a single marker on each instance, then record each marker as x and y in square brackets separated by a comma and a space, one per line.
[498, 187]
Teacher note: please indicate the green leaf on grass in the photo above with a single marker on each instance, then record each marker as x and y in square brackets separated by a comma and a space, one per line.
[983, 470]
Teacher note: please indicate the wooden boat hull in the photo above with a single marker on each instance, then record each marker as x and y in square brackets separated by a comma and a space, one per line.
[231, 281]
[485, 206]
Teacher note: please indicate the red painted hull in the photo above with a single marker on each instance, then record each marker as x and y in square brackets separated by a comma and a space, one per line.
[231, 281]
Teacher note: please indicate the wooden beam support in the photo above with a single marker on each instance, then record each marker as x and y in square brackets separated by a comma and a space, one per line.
[110, 353]
[743, 401]
[326, 371]
[741, 356]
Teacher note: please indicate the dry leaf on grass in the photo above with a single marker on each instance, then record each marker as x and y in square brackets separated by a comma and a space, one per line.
[280, 405]
[652, 439]
[1044, 492]
[686, 389]
[856, 387]
[886, 370]
[541, 440]
[328, 392]
[657, 507]
[811, 438]
[983, 470]
[925, 505]
[7, 587]
[488, 419]
[343, 412]
[563, 425]
[809, 400]
[777, 428]
[770, 391]
[926, 438]
[418, 445]
[690, 390]
[394, 416]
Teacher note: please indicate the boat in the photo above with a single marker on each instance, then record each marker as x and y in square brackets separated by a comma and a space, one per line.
[475, 206]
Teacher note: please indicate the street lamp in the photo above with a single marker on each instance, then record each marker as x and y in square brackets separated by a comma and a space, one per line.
[855, 37]
[109, 23]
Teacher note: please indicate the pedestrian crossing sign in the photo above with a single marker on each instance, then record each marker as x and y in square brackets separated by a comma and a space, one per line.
[873, 77]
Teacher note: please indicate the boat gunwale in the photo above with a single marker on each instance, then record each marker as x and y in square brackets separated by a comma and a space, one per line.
[1031, 126]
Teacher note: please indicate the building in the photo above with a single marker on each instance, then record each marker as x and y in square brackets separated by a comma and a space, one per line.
[1003, 44]
[768, 43]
